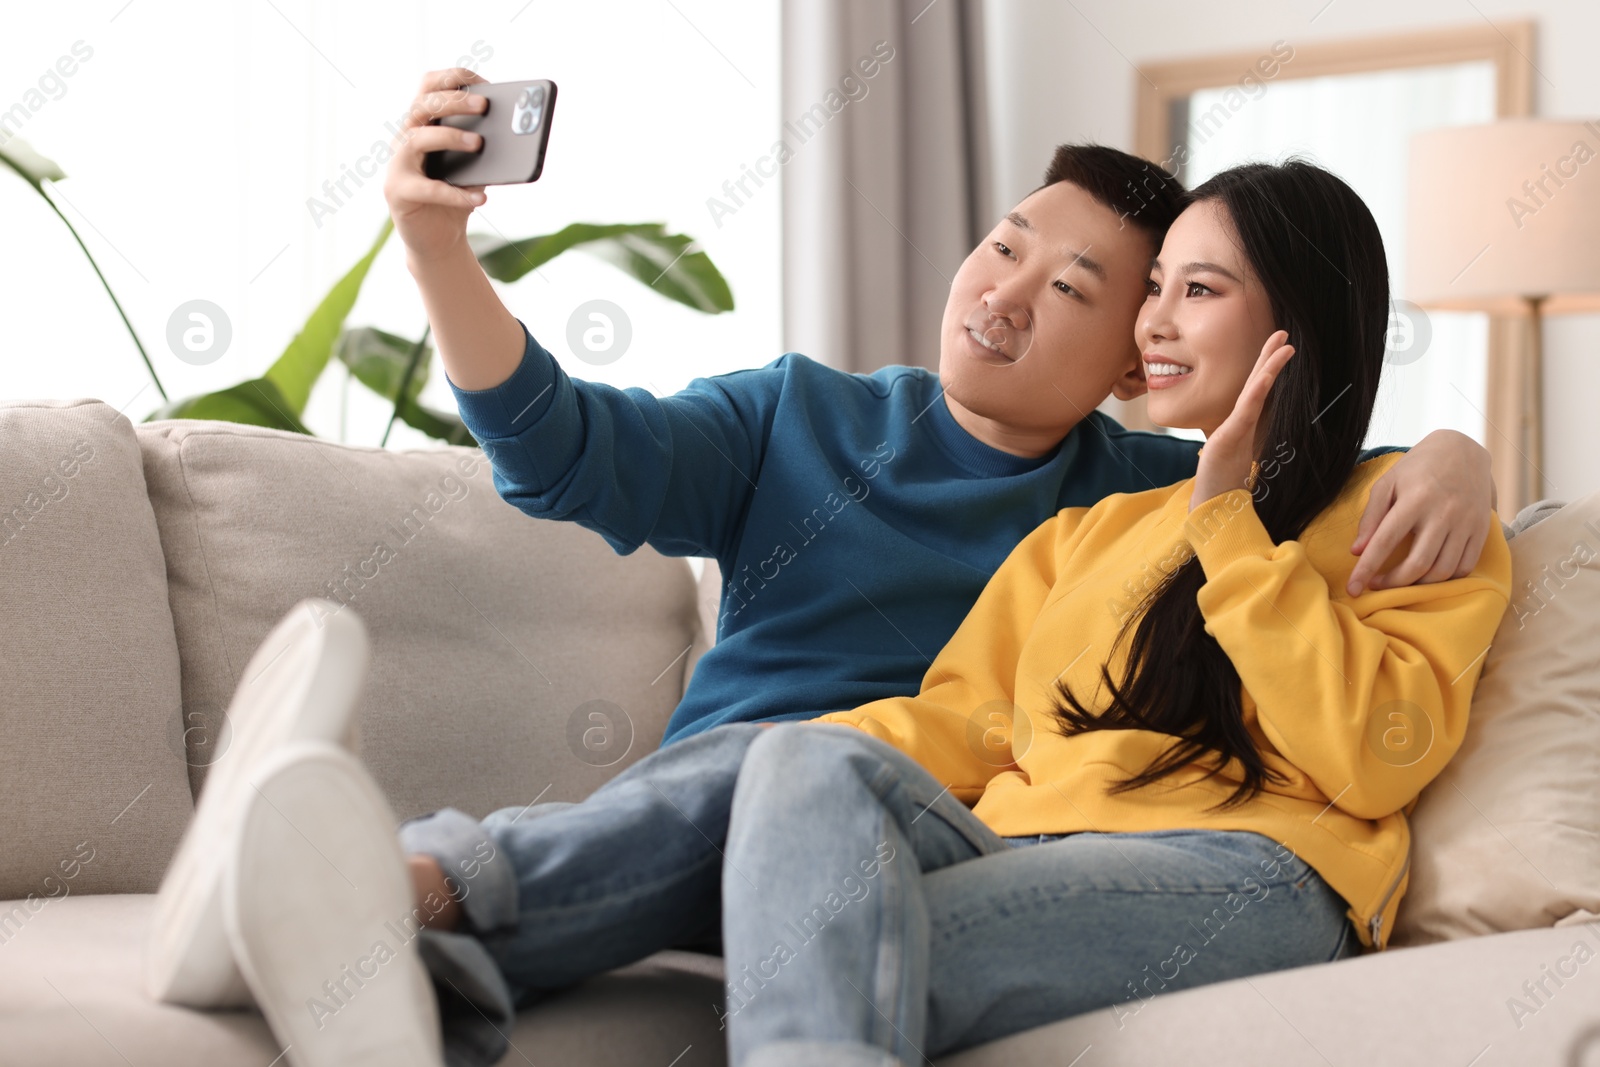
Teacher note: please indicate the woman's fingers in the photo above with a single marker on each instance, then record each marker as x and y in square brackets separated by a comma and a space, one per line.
[1275, 361]
[1267, 373]
[1274, 354]
[1273, 343]
[1253, 398]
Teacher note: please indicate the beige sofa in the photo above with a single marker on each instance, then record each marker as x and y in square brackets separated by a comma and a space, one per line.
[512, 660]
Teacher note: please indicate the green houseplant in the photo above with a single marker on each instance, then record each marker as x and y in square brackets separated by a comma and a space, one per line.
[396, 367]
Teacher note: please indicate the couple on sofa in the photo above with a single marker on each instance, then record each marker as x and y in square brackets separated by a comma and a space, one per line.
[1013, 714]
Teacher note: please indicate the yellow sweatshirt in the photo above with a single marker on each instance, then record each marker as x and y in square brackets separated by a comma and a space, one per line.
[1358, 701]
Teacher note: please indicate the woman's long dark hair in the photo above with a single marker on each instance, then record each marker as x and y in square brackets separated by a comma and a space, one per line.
[1317, 252]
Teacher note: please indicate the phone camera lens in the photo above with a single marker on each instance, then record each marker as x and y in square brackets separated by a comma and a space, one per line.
[529, 112]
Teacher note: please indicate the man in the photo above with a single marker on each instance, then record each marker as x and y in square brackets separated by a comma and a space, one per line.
[855, 517]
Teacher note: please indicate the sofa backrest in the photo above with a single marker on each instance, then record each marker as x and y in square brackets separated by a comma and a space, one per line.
[513, 658]
[92, 775]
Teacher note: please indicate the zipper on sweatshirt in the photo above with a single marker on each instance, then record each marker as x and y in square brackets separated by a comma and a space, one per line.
[1375, 924]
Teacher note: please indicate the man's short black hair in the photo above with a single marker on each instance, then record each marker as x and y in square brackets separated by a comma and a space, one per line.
[1142, 193]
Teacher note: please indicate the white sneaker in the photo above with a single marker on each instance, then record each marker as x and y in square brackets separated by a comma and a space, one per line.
[318, 906]
[302, 683]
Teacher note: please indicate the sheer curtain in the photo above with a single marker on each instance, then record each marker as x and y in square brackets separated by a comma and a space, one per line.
[885, 187]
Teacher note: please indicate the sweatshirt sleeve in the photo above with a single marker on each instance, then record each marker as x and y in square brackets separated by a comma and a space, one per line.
[674, 472]
[960, 726]
[1368, 696]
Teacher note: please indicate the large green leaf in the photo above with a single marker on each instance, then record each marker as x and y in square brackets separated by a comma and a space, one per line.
[442, 425]
[378, 360]
[257, 402]
[663, 261]
[302, 363]
[670, 265]
[34, 168]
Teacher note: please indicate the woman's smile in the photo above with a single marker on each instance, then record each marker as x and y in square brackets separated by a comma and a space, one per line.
[1162, 372]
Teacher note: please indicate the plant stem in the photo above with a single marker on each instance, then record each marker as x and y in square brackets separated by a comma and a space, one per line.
[344, 404]
[405, 381]
[118, 304]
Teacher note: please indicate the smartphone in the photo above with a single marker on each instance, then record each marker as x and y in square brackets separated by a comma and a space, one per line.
[515, 129]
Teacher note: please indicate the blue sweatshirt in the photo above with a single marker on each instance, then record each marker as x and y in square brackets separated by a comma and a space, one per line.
[854, 520]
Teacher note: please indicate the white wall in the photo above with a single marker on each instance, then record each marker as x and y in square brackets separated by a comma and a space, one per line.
[1065, 72]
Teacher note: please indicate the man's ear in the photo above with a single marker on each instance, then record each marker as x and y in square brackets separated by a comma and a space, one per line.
[1132, 382]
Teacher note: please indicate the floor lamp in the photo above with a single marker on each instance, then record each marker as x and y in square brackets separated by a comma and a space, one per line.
[1505, 218]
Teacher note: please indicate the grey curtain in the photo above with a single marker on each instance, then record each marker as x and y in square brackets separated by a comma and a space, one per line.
[886, 179]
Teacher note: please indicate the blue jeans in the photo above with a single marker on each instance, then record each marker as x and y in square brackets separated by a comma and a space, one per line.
[559, 892]
[924, 954]
[871, 918]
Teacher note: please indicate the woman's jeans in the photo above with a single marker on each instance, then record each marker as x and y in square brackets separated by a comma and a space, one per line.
[854, 931]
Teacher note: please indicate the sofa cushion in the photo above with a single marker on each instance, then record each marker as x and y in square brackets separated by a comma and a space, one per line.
[92, 776]
[70, 986]
[513, 658]
[69, 981]
[1508, 836]
[1463, 1003]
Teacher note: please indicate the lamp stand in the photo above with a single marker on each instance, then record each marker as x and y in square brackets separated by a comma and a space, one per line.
[1532, 415]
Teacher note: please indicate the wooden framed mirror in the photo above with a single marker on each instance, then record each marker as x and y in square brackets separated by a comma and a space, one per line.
[1352, 106]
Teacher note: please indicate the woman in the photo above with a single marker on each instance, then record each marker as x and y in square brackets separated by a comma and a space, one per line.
[1188, 752]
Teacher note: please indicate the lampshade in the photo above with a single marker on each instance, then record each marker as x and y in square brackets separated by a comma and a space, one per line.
[1503, 212]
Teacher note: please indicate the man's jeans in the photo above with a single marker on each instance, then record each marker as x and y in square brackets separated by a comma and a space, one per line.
[854, 930]
[559, 892]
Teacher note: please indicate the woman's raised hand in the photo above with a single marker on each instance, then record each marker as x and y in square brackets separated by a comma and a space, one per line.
[1230, 450]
